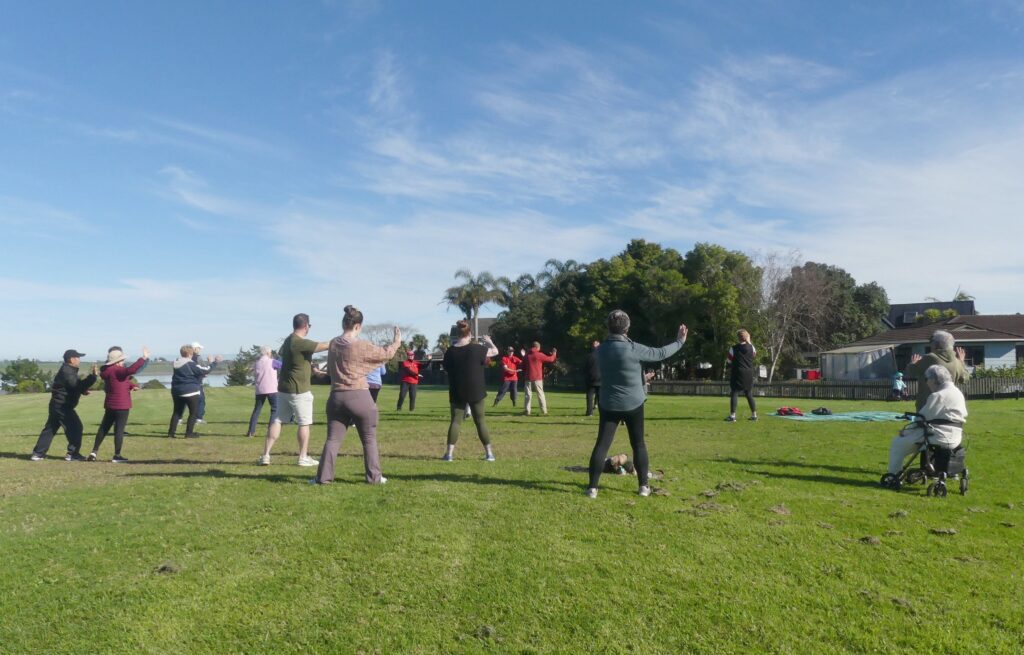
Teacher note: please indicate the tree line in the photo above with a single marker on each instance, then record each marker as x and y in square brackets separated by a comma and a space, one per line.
[792, 308]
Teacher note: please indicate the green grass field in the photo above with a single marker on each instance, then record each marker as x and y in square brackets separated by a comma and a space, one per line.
[758, 538]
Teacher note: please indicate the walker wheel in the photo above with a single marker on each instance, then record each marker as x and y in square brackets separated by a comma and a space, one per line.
[931, 490]
[915, 477]
[941, 491]
[963, 484]
[890, 481]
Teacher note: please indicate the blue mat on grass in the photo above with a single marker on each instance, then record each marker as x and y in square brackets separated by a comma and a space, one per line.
[848, 416]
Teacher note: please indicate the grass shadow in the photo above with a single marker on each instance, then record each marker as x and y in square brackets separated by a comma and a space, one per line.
[826, 479]
[792, 464]
[474, 478]
[277, 478]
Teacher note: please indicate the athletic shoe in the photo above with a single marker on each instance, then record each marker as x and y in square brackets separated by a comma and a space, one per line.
[117, 459]
[308, 461]
[752, 418]
[447, 458]
[37, 458]
[645, 491]
[263, 461]
[91, 457]
[200, 421]
[74, 457]
[730, 419]
[250, 435]
[383, 480]
[315, 481]
[591, 493]
[489, 457]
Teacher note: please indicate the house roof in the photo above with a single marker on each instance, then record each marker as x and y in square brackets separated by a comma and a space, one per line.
[1005, 327]
[896, 312]
[863, 348]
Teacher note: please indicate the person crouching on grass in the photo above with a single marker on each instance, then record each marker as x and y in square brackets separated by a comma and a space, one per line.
[465, 362]
[349, 359]
[117, 385]
[186, 385]
[622, 396]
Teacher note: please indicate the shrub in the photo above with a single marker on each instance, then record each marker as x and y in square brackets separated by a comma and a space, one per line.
[154, 384]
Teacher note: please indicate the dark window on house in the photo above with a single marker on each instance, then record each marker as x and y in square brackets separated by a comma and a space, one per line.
[909, 318]
[1020, 354]
[975, 355]
[903, 354]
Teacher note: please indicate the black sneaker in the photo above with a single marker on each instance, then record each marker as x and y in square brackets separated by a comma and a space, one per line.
[74, 457]
[117, 459]
[730, 419]
[752, 418]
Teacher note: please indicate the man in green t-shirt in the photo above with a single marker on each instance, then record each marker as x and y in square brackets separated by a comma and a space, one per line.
[295, 398]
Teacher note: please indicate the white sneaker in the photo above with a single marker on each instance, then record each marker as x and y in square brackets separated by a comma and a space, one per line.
[489, 457]
[37, 458]
[645, 491]
[592, 493]
[308, 461]
[263, 461]
[447, 458]
[383, 480]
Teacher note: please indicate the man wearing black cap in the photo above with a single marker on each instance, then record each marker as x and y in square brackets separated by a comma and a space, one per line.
[65, 391]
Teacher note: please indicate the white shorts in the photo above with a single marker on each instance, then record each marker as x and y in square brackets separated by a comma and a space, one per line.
[295, 408]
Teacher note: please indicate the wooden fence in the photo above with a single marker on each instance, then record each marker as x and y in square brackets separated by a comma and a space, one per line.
[821, 390]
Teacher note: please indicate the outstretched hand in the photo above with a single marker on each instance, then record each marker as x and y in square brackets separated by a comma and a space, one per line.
[683, 331]
[915, 358]
[145, 352]
[961, 354]
[95, 369]
[398, 333]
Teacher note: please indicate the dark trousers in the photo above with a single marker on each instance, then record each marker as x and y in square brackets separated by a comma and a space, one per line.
[118, 418]
[374, 392]
[201, 410]
[258, 408]
[407, 388]
[593, 391]
[634, 420]
[734, 398]
[60, 418]
[459, 413]
[509, 387]
[192, 402]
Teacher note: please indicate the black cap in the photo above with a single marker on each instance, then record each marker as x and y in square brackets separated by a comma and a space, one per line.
[68, 354]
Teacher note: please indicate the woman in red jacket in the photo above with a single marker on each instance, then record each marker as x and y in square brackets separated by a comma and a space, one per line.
[118, 387]
[409, 376]
[509, 376]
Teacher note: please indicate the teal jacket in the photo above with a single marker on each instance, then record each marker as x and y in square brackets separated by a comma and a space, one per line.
[622, 376]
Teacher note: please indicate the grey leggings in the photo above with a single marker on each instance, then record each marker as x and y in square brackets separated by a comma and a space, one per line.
[458, 412]
[345, 408]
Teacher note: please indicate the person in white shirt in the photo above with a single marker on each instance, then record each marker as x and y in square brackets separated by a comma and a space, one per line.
[945, 410]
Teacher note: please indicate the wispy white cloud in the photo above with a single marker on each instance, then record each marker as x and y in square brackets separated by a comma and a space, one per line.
[25, 215]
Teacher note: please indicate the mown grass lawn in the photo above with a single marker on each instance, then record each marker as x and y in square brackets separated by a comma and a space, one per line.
[754, 542]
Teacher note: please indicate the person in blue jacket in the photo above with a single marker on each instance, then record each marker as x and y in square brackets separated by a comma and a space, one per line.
[622, 395]
[186, 386]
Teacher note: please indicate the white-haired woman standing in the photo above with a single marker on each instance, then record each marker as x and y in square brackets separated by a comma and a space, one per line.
[942, 354]
[264, 372]
[621, 398]
[946, 411]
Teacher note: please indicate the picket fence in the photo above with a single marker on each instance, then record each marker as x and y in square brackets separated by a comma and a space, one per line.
[826, 390]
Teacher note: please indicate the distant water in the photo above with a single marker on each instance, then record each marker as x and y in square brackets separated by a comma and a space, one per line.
[211, 380]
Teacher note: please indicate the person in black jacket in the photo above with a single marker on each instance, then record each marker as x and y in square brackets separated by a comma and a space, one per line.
[592, 375]
[186, 387]
[65, 392]
[741, 374]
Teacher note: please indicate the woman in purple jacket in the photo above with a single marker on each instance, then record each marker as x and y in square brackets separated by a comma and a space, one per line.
[264, 372]
[117, 385]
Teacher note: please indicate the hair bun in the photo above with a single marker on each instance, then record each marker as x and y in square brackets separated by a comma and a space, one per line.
[351, 309]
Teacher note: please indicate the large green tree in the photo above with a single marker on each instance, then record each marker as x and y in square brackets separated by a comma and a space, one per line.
[24, 376]
[240, 369]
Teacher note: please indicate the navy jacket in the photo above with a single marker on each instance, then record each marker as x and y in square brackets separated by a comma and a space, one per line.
[188, 376]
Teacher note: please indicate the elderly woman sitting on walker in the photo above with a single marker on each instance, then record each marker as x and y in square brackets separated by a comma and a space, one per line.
[945, 410]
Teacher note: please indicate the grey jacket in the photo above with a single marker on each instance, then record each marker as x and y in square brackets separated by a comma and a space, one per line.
[622, 376]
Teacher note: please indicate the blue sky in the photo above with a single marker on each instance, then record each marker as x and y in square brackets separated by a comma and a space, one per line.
[202, 171]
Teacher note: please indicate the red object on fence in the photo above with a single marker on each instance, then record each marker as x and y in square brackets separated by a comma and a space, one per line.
[814, 375]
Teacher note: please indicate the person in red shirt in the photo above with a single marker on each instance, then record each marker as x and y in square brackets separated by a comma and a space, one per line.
[409, 377]
[535, 362]
[509, 375]
[118, 385]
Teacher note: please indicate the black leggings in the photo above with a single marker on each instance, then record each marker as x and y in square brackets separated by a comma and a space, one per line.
[592, 393]
[733, 398]
[509, 387]
[374, 392]
[410, 388]
[459, 413]
[118, 418]
[634, 420]
[192, 402]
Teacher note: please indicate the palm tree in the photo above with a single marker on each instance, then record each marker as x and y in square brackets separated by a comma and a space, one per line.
[509, 291]
[474, 292]
[553, 268]
[443, 342]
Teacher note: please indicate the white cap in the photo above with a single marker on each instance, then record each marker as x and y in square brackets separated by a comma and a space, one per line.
[197, 345]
